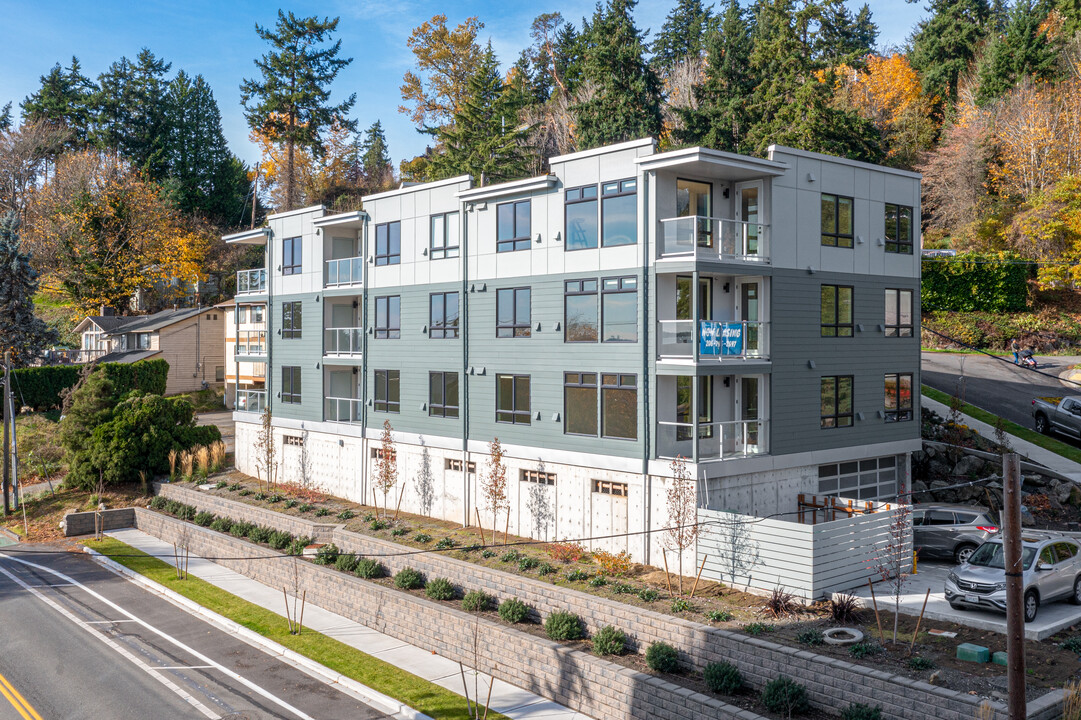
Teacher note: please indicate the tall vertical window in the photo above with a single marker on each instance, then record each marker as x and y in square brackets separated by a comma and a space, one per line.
[143, 341]
[836, 401]
[290, 384]
[581, 217]
[580, 403]
[388, 393]
[291, 319]
[619, 310]
[443, 394]
[513, 227]
[388, 243]
[388, 317]
[512, 399]
[445, 243]
[836, 311]
[898, 400]
[898, 229]
[580, 311]
[292, 250]
[619, 406]
[257, 313]
[512, 312]
[443, 320]
[836, 220]
[898, 313]
[242, 314]
[619, 213]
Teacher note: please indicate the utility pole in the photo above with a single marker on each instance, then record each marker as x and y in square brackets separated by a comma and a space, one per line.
[1015, 611]
[255, 196]
[7, 430]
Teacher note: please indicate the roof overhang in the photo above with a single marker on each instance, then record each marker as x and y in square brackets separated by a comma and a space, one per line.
[541, 182]
[81, 327]
[713, 163]
[258, 236]
[406, 188]
[344, 221]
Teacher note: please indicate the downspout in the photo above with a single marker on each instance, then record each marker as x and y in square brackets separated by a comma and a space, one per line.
[269, 381]
[463, 309]
[364, 363]
[647, 388]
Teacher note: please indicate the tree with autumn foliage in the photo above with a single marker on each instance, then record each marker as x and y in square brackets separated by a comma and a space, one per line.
[386, 466]
[494, 485]
[446, 60]
[682, 513]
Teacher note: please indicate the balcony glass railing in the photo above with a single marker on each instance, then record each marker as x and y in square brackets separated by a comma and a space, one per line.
[347, 271]
[715, 238]
[344, 341]
[345, 410]
[251, 342]
[253, 401]
[716, 440]
[251, 281]
[717, 341]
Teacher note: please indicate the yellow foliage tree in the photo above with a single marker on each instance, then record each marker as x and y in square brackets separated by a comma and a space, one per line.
[1048, 228]
[447, 59]
[274, 168]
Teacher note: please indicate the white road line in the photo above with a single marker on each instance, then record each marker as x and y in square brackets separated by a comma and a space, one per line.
[183, 667]
[229, 673]
[115, 646]
[104, 622]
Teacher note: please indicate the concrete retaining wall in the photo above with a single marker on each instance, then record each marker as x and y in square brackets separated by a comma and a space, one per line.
[83, 523]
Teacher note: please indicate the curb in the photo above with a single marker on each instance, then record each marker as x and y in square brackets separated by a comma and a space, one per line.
[368, 695]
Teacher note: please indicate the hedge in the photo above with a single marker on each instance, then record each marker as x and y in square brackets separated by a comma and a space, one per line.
[40, 388]
[148, 376]
[975, 282]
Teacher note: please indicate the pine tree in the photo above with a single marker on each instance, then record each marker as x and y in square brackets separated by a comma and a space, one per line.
[624, 98]
[844, 38]
[683, 34]
[944, 46]
[21, 332]
[291, 101]
[130, 115]
[5, 118]
[1023, 48]
[485, 139]
[1070, 10]
[378, 174]
[63, 100]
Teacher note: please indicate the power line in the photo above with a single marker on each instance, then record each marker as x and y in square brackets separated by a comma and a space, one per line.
[997, 357]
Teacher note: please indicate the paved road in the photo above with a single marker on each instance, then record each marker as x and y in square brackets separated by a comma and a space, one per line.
[89, 644]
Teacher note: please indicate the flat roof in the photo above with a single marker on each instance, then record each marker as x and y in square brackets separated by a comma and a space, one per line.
[713, 159]
[258, 236]
[404, 189]
[541, 182]
[603, 150]
[844, 161]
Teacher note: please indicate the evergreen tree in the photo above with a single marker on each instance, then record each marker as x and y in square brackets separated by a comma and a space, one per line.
[5, 117]
[1071, 16]
[484, 140]
[291, 101]
[63, 100]
[1022, 49]
[194, 145]
[720, 119]
[944, 46]
[844, 38]
[624, 102]
[25, 335]
[374, 159]
[568, 57]
[683, 34]
[130, 113]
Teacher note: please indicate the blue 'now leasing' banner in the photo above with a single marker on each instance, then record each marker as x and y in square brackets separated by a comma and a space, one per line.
[718, 338]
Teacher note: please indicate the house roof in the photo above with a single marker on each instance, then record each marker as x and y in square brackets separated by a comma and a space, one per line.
[113, 325]
[128, 356]
[105, 322]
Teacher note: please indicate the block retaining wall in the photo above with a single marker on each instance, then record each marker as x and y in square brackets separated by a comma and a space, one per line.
[831, 683]
[83, 523]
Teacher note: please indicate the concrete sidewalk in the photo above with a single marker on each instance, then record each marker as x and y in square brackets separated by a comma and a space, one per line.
[507, 699]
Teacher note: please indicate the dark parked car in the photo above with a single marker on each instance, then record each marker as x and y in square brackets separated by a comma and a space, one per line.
[951, 531]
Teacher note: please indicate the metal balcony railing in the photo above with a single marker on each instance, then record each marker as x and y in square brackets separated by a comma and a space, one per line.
[253, 401]
[716, 440]
[251, 342]
[251, 281]
[347, 271]
[709, 238]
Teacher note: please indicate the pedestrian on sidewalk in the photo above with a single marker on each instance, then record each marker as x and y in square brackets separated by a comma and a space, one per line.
[1015, 348]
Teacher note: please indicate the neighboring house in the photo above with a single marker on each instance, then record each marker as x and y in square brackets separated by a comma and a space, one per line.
[245, 337]
[757, 317]
[189, 339]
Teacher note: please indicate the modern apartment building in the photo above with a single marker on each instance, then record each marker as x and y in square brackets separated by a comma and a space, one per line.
[757, 317]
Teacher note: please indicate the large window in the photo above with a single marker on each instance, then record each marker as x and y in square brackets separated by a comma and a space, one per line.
[291, 319]
[580, 403]
[512, 226]
[445, 242]
[581, 211]
[388, 317]
[836, 311]
[512, 312]
[580, 317]
[898, 397]
[443, 394]
[388, 391]
[837, 401]
[292, 249]
[619, 213]
[898, 312]
[512, 399]
[290, 384]
[388, 243]
[242, 314]
[443, 315]
[619, 310]
[836, 221]
[257, 313]
[619, 406]
[871, 479]
[898, 229]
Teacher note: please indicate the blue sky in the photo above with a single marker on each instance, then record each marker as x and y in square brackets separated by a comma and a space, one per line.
[217, 39]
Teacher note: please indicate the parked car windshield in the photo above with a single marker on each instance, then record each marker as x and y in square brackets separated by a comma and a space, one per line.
[991, 555]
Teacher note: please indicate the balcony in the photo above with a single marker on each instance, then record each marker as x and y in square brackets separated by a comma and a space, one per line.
[717, 341]
[251, 281]
[342, 410]
[347, 271]
[343, 341]
[253, 401]
[716, 440]
[707, 238]
[251, 342]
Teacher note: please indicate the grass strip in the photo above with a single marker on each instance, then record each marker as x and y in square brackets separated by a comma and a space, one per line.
[403, 686]
[1046, 442]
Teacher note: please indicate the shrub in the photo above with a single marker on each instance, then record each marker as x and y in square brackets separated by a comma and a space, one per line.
[779, 603]
[598, 582]
[623, 589]
[758, 628]
[185, 512]
[723, 678]
[562, 625]
[845, 609]
[158, 502]
[785, 696]
[578, 576]
[409, 579]
[648, 595]
[220, 484]
[275, 498]
[346, 562]
[240, 529]
[859, 711]
[377, 525]
[346, 515]
[662, 657]
[41, 387]
[203, 518]
[445, 544]
[609, 641]
[259, 534]
[260, 496]
[221, 524]
[290, 503]
[477, 601]
[811, 636]
[147, 376]
[718, 616]
[488, 554]
[615, 564]
[1073, 644]
[546, 568]
[369, 569]
[566, 552]
[511, 556]
[305, 507]
[920, 663]
[398, 532]
[513, 610]
[439, 589]
[327, 555]
[682, 605]
[991, 282]
[864, 649]
[322, 512]
[368, 517]
[422, 538]
[528, 562]
[296, 547]
[279, 540]
[234, 487]
[245, 492]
